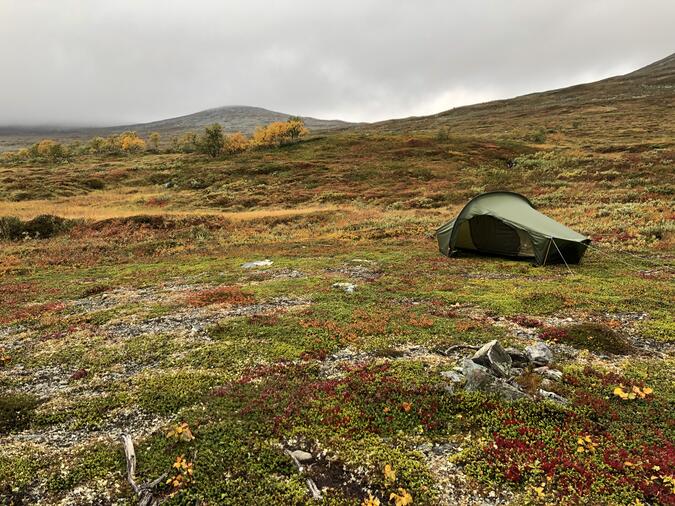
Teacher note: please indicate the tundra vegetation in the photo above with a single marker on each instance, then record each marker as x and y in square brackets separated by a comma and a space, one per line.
[284, 297]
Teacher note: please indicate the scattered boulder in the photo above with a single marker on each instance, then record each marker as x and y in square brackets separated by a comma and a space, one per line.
[552, 374]
[539, 354]
[552, 396]
[492, 355]
[490, 370]
[302, 456]
[346, 287]
[257, 263]
[477, 377]
[518, 357]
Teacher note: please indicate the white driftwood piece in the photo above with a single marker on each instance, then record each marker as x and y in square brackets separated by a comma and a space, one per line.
[144, 490]
[314, 490]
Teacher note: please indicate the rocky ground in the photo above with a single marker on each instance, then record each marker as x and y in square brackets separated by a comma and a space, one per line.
[530, 362]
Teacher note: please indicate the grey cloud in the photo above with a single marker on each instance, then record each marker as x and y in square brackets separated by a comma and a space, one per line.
[100, 62]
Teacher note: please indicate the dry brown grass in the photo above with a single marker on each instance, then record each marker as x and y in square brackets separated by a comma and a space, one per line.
[106, 205]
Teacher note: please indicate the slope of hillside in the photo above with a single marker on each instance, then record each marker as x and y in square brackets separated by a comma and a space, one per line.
[630, 110]
[233, 118]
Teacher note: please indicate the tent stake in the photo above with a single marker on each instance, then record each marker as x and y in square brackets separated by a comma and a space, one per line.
[561, 255]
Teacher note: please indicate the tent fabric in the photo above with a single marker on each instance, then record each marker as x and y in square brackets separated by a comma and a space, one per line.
[506, 223]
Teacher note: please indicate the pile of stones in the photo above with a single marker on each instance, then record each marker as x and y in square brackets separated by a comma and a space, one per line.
[494, 369]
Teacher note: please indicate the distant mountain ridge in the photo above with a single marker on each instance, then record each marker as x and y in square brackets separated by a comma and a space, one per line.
[233, 118]
[236, 118]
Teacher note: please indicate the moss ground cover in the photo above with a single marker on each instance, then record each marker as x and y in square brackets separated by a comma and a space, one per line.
[137, 317]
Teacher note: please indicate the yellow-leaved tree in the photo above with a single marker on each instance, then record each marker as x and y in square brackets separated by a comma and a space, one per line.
[154, 139]
[279, 132]
[296, 128]
[236, 143]
[131, 142]
[49, 149]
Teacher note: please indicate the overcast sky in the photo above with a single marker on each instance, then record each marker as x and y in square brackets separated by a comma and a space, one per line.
[124, 61]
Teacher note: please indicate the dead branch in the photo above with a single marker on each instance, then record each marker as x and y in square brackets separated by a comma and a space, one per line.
[314, 490]
[458, 347]
[143, 490]
[316, 493]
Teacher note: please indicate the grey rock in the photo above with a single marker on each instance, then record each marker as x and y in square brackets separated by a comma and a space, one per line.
[517, 371]
[552, 396]
[506, 391]
[453, 376]
[552, 374]
[302, 456]
[444, 448]
[492, 355]
[539, 354]
[477, 376]
[517, 356]
[426, 448]
[257, 263]
[480, 378]
[346, 287]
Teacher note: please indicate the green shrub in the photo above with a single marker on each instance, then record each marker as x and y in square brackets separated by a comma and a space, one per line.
[11, 228]
[44, 226]
[538, 137]
[16, 411]
[442, 135]
[40, 227]
[94, 184]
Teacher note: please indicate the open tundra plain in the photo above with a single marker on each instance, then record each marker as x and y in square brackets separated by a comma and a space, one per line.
[277, 324]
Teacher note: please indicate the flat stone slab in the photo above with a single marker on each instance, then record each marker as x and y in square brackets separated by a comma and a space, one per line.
[552, 396]
[346, 287]
[552, 374]
[256, 264]
[302, 456]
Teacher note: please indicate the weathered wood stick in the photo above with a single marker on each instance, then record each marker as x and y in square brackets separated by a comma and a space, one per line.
[314, 490]
[316, 493]
[131, 461]
[297, 462]
[144, 490]
[460, 347]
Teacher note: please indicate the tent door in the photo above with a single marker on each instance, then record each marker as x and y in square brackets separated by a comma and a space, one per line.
[491, 235]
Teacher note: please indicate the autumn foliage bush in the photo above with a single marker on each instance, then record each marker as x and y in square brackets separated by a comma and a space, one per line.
[279, 133]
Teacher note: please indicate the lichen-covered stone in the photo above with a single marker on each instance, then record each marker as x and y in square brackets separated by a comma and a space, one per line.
[539, 354]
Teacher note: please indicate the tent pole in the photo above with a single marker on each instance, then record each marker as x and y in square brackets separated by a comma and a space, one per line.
[548, 248]
[561, 255]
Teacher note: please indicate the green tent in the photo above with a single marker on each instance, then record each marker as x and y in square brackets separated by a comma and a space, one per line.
[506, 223]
